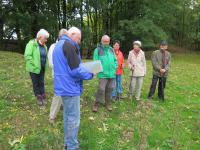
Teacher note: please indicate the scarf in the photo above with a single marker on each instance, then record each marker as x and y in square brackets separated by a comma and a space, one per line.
[163, 59]
[136, 51]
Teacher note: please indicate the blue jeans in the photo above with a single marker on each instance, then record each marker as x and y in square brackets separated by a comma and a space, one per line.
[117, 85]
[71, 115]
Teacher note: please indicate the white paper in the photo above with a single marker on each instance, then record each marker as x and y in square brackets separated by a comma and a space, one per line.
[93, 66]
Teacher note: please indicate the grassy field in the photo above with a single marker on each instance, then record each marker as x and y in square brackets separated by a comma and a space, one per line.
[174, 124]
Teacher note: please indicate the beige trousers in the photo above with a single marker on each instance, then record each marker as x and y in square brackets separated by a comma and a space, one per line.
[55, 106]
[136, 86]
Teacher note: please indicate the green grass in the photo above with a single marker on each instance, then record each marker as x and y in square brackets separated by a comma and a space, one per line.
[174, 124]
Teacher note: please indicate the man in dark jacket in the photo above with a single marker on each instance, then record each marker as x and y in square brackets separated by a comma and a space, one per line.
[68, 76]
[161, 60]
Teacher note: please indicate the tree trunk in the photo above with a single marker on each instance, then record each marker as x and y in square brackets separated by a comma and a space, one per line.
[64, 7]
[34, 24]
[82, 24]
[58, 14]
[95, 23]
[1, 33]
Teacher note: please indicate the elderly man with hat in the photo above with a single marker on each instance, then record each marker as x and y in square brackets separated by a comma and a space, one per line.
[161, 60]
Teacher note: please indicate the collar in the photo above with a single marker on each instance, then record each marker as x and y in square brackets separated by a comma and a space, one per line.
[117, 52]
[65, 37]
[162, 51]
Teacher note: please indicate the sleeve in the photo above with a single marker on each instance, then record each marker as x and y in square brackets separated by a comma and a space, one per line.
[76, 69]
[154, 60]
[28, 55]
[129, 61]
[95, 55]
[145, 65]
[71, 55]
[81, 73]
[168, 64]
[50, 53]
[123, 59]
[115, 61]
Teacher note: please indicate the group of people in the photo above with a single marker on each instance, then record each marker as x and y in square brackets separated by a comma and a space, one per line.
[68, 73]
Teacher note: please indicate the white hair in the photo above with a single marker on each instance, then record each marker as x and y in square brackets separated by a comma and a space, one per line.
[42, 32]
[62, 32]
[74, 30]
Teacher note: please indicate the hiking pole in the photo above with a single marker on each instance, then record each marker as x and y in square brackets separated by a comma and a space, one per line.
[130, 95]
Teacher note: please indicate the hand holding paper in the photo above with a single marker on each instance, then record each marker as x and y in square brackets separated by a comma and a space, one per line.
[93, 66]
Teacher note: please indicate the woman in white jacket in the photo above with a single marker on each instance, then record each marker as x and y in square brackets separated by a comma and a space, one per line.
[137, 66]
[56, 101]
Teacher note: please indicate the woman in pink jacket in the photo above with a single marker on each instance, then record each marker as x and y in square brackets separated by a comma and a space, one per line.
[137, 66]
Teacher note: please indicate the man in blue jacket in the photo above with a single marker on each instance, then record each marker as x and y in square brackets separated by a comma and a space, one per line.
[68, 76]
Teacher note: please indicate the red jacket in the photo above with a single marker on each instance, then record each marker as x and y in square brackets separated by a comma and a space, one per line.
[120, 60]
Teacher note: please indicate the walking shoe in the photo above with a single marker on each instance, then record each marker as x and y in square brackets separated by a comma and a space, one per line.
[150, 98]
[39, 100]
[44, 100]
[108, 107]
[51, 121]
[95, 107]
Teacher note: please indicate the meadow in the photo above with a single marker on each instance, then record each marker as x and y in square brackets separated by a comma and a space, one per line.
[170, 125]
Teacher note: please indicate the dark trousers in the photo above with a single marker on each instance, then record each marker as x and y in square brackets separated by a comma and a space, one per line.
[104, 90]
[161, 86]
[38, 82]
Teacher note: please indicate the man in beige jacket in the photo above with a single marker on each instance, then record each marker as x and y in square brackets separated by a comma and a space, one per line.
[137, 66]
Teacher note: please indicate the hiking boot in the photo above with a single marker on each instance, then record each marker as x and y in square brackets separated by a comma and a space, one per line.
[150, 98]
[95, 107]
[44, 100]
[161, 98]
[39, 100]
[108, 107]
[51, 121]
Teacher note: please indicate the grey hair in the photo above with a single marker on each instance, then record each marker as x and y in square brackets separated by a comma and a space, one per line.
[74, 30]
[62, 32]
[105, 36]
[42, 32]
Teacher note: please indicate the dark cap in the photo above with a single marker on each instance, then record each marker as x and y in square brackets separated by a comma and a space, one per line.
[163, 43]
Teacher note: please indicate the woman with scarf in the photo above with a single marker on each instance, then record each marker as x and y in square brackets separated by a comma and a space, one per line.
[137, 66]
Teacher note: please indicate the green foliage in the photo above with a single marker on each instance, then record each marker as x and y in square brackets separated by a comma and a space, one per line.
[149, 21]
[144, 30]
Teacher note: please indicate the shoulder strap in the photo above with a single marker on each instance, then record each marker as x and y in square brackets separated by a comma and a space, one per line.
[100, 51]
[112, 50]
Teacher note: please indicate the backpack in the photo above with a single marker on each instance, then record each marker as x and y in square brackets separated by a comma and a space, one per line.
[101, 51]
